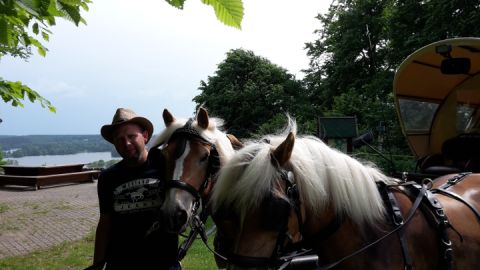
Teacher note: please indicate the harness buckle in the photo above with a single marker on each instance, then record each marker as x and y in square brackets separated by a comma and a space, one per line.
[448, 254]
[440, 212]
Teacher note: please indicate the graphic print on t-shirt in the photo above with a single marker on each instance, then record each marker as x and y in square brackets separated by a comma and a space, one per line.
[137, 195]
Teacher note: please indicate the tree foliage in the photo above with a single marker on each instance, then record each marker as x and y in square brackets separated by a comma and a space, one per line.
[20, 18]
[37, 145]
[23, 24]
[250, 92]
[352, 64]
[360, 44]
[15, 92]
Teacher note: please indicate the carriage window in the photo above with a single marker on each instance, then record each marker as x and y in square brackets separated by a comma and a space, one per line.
[468, 113]
[417, 115]
[465, 120]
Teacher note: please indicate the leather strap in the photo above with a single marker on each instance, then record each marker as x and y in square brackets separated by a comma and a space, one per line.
[457, 197]
[397, 219]
[420, 196]
[185, 186]
[454, 180]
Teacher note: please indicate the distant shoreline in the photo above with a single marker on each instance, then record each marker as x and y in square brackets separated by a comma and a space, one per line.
[47, 160]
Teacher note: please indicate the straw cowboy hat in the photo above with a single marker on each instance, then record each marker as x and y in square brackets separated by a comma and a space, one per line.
[123, 116]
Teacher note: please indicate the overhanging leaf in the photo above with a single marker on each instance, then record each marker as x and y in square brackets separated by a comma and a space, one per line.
[176, 3]
[69, 12]
[15, 92]
[4, 31]
[230, 12]
[35, 28]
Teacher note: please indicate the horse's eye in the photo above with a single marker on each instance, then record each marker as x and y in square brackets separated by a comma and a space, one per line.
[204, 158]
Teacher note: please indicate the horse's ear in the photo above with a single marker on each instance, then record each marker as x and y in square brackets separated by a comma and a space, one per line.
[284, 151]
[167, 118]
[202, 118]
[236, 143]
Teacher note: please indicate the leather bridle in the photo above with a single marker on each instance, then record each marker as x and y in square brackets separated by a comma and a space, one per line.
[199, 213]
[285, 254]
[300, 258]
[187, 131]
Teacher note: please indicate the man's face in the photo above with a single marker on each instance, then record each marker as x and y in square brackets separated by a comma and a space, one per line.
[130, 140]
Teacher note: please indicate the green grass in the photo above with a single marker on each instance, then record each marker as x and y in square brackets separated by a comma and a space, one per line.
[198, 256]
[79, 255]
[68, 255]
[3, 208]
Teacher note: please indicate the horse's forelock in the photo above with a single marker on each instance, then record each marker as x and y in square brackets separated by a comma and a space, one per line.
[217, 136]
[246, 179]
[168, 131]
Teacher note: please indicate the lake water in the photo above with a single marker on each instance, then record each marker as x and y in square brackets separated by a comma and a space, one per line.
[63, 159]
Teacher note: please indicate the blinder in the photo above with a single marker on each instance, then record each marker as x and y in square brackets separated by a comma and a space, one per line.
[214, 161]
[276, 213]
[276, 210]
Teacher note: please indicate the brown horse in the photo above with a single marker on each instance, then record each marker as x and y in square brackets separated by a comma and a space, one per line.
[192, 151]
[281, 202]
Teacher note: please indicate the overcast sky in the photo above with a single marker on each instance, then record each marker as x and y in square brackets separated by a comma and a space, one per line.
[147, 56]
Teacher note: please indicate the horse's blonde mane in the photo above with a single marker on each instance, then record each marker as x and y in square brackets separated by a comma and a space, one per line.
[325, 177]
[213, 134]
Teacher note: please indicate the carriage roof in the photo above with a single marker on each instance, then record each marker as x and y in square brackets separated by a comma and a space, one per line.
[433, 106]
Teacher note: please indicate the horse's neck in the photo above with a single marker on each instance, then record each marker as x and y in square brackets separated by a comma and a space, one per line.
[333, 238]
[333, 231]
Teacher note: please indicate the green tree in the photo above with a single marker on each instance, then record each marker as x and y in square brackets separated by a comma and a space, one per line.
[410, 25]
[249, 92]
[22, 22]
[348, 73]
[362, 42]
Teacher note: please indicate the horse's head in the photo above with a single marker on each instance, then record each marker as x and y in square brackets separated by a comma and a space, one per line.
[192, 151]
[257, 207]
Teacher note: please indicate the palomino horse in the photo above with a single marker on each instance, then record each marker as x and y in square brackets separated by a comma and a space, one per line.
[283, 197]
[192, 151]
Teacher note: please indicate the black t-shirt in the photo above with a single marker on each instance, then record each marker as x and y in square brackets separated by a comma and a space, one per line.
[133, 197]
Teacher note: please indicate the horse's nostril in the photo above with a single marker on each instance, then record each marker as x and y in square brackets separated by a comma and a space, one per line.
[181, 217]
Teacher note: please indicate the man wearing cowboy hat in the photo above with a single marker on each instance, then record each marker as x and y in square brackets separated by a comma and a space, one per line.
[129, 198]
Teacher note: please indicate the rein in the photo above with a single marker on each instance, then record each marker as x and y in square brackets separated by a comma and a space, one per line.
[301, 258]
[304, 259]
[420, 196]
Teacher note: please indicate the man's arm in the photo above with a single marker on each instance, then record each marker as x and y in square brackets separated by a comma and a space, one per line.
[102, 237]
